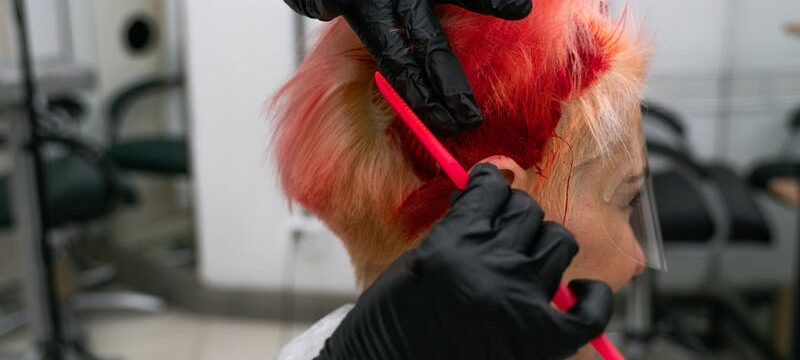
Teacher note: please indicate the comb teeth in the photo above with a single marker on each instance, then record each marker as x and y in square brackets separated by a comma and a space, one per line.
[446, 161]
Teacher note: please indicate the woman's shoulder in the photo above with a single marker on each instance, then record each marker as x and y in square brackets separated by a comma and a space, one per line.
[307, 345]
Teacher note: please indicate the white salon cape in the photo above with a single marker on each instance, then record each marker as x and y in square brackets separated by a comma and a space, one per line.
[307, 345]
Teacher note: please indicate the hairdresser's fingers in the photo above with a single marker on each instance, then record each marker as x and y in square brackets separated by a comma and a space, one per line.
[570, 331]
[550, 255]
[440, 65]
[566, 332]
[595, 302]
[384, 38]
[413, 87]
[519, 221]
[478, 206]
[504, 9]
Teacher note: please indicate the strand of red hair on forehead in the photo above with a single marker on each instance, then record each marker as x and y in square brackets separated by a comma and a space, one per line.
[521, 72]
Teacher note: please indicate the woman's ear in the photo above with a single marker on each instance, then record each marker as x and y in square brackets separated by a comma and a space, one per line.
[516, 176]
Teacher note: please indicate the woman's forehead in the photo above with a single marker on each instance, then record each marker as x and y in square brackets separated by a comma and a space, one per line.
[621, 161]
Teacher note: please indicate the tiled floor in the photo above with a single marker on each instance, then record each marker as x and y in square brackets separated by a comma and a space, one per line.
[176, 335]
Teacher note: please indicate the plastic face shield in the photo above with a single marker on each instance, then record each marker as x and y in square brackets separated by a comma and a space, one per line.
[646, 227]
[637, 192]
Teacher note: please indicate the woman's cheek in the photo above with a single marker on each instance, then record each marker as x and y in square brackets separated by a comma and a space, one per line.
[600, 258]
[607, 265]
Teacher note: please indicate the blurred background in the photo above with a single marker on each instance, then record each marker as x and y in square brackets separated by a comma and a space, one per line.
[164, 235]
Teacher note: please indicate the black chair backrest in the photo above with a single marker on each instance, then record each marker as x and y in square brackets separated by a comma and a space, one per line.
[664, 116]
[794, 120]
[126, 97]
[682, 208]
[679, 158]
[664, 126]
[791, 147]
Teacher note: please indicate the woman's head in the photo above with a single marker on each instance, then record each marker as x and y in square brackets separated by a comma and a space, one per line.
[559, 92]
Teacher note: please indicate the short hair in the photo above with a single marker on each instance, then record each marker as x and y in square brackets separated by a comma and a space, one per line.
[566, 71]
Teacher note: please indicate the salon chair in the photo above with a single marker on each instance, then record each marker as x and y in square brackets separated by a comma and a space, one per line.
[159, 155]
[156, 154]
[703, 208]
[779, 178]
[82, 187]
[777, 175]
[676, 171]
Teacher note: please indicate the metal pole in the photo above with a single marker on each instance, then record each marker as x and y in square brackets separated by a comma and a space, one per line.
[66, 48]
[725, 82]
[30, 210]
[795, 334]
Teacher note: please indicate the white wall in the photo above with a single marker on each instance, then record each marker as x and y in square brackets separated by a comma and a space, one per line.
[44, 30]
[697, 42]
[116, 67]
[238, 53]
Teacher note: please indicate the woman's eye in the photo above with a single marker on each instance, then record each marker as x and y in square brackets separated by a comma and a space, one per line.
[635, 200]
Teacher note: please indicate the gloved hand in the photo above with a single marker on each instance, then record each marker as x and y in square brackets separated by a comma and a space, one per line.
[430, 77]
[478, 287]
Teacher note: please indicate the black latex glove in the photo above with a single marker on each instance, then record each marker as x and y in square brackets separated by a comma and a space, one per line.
[478, 287]
[430, 77]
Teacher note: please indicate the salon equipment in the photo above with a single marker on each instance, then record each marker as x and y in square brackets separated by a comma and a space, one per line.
[779, 174]
[156, 154]
[31, 208]
[165, 154]
[678, 172]
[44, 192]
[82, 187]
[715, 211]
[563, 299]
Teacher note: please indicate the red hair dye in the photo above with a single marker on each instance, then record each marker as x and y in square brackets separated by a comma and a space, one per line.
[521, 73]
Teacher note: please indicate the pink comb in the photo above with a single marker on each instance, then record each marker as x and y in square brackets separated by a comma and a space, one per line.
[564, 299]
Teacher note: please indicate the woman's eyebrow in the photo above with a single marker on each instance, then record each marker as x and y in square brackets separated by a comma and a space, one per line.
[634, 178]
[582, 166]
[638, 177]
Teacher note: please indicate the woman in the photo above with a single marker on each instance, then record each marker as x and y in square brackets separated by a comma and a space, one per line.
[559, 93]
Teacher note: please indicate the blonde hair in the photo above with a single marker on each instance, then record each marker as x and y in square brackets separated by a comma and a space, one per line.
[565, 76]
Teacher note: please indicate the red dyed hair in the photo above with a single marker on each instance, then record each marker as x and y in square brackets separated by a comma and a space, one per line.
[519, 87]
[342, 154]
